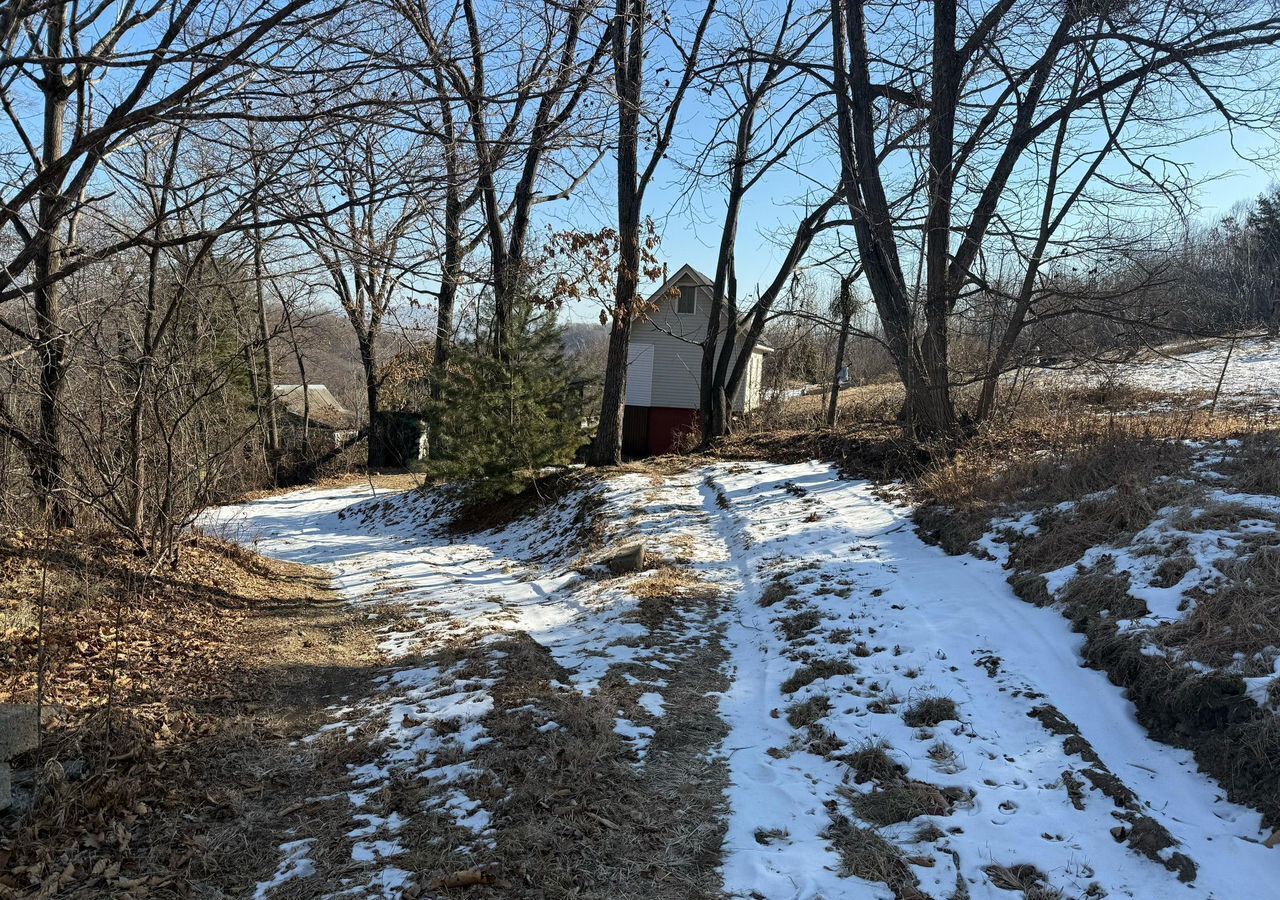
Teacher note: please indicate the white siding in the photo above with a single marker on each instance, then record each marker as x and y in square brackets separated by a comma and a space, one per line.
[639, 374]
[677, 353]
[754, 382]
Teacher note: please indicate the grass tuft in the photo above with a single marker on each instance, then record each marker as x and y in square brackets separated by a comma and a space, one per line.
[807, 712]
[808, 674]
[900, 802]
[930, 711]
[871, 762]
[865, 854]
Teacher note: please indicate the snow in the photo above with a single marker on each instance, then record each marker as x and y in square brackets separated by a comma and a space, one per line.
[295, 864]
[912, 621]
[651, 702]
[392, 552]
[1175, 531]
[937, 617]
[1252, 373]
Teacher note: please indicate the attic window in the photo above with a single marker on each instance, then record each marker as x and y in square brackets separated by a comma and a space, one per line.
[685, 305]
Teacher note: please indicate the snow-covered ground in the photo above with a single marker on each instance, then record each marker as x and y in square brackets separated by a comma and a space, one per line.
[1252, 372]
[834, 606]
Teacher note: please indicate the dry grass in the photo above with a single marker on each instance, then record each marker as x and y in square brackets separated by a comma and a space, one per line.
[664, 589]
[1099, 594]
[475, 515]
[960, 498]
[797, 626]
[926, 712]
[767, 836]
[814, 671]
[808, 712]
[1063, 445]
[865, 854]
[1209, 516]
[383, 481]
[1171, 570]
[777, 590]
[869, 403]
[574, 813]
[1241, 621]
[899, 801]
[1110, 518]
[872, 762]
[1254, 466]
[822, 741]
[189, 778]
[1024, 878]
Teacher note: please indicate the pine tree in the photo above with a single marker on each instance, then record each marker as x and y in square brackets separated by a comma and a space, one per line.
[1264, 228]
[502, 420]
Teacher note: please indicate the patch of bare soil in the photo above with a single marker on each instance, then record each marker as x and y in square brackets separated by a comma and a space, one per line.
[578, 810]
[167, 767]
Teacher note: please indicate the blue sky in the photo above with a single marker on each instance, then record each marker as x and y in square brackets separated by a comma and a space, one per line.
[1226, 169]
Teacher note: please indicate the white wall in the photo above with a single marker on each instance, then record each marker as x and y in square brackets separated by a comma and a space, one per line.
[677, 353]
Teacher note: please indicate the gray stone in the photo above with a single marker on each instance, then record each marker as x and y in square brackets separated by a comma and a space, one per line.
[19, 732]
[628, 559]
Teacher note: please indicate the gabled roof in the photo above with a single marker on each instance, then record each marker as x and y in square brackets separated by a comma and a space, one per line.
[686, 270]
[323, 407]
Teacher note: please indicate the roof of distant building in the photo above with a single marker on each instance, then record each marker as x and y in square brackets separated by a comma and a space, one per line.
[317, 401]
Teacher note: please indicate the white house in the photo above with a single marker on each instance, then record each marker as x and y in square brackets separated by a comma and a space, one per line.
[664, 367]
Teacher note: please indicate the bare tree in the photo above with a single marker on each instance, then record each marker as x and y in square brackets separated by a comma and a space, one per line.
[996, 86]
[96, 85]
[631, 29]
[522, 82]
[845, 307]
[364, 195]
[771, 109]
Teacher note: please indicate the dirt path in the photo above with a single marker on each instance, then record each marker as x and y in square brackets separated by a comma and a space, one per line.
[797, 698]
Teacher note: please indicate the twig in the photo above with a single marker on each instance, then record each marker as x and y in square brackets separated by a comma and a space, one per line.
[40, 646]
[1213, 404]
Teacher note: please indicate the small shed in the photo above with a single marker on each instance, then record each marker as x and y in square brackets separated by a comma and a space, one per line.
[664, 367]
[327, 421]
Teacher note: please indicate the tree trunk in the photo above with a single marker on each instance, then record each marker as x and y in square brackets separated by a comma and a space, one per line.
[845, 321]
[720, 421]
[49, 472]
[447, 299]
[628, 50]
[138, 473]
[264, 335]
[302, 376]
[932, 414]
[376, 434]
[606, 450]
